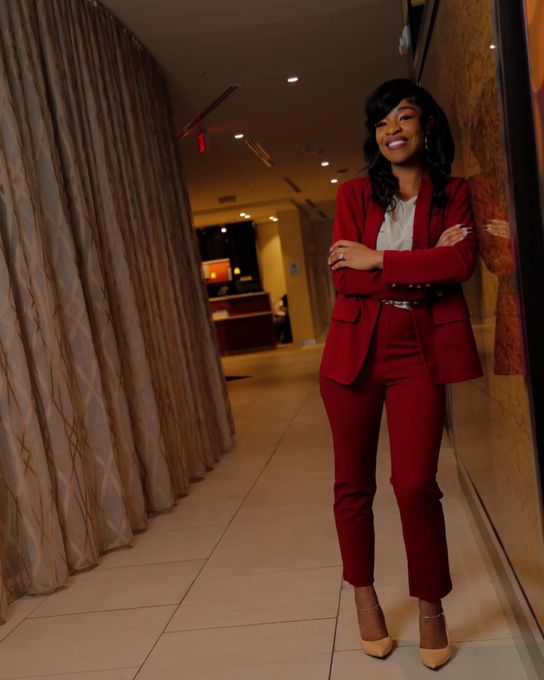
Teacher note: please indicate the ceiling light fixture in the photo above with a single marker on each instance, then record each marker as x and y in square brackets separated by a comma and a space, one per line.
[223, 230]
[239, 135]
[258, 150]
[200, 117]
[246, 216]
[334, 180]
[324, 164]
[292, 79]
[243, 214]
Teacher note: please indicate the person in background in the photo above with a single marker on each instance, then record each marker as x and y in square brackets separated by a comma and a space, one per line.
[400, 331]
[282, 323]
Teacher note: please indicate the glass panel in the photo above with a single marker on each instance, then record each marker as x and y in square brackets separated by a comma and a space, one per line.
[491, 416]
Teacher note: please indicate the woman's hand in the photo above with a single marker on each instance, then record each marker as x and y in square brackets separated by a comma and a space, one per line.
[498, 228]
[354, 255]
[452, 235]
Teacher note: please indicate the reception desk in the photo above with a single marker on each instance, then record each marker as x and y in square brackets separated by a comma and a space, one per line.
[243, 322]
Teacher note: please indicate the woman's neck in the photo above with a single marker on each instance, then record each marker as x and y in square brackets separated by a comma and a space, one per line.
[409, 177]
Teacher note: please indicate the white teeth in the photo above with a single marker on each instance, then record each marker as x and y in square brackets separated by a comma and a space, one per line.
[395, 144]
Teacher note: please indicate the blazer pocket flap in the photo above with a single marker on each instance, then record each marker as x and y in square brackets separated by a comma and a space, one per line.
[448, 310]
[346, 309]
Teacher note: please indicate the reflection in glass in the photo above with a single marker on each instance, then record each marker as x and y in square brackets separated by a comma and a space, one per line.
[493, 231]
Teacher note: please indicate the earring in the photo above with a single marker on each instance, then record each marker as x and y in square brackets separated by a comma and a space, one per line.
[427, 143]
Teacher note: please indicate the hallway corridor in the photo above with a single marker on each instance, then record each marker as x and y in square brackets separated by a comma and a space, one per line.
[242, 581]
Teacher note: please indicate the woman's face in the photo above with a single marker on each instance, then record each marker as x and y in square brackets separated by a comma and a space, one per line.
[400, 136]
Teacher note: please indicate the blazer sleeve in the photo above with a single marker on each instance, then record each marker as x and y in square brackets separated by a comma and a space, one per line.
[443, 265]
[348, 225]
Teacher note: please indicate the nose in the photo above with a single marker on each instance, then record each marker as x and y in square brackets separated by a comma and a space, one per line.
[392, 129]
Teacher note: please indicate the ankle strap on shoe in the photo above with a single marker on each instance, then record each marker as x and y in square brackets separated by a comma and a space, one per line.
[435, 616]
[365, 610]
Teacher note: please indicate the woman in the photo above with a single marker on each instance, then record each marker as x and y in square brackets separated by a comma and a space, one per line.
[400, 330]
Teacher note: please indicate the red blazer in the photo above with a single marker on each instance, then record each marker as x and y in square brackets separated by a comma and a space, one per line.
[443, 326]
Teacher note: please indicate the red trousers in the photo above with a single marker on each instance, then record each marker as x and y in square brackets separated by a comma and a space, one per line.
[393, 373]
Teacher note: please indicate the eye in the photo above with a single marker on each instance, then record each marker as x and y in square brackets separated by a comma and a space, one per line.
[380, 124]
[406, 117]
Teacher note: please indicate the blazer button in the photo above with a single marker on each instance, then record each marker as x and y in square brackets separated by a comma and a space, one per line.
[410, 285]
[427, 285]
[418, 285]
[393, 285]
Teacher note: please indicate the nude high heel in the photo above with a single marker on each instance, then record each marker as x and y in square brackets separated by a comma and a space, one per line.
[434, 658]
[377, 648]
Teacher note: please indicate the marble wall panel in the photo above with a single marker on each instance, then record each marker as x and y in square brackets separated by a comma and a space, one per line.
[492, 425]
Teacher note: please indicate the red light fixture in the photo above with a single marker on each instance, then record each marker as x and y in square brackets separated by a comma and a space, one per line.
[202, 141]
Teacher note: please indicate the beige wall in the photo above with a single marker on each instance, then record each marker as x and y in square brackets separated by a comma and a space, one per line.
[492, 423]
[271, 260]
[317, 239]
[297, 284]
[296, 239]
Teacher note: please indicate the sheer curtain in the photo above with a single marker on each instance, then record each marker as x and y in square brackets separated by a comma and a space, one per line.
[112, 397]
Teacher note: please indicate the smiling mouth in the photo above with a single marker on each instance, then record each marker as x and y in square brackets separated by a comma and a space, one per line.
[397, 143]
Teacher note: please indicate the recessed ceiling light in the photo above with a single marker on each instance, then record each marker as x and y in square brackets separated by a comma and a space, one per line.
[324, 163]
[334, 180]
[239, 135]
[492, 46]
[246, 216]
[224, 230]
[243, 214]
[292, 79]
[271, 218]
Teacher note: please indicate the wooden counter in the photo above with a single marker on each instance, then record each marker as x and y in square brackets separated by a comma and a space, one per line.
[243, 322]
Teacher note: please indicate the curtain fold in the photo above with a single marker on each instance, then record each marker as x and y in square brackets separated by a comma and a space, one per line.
[113, 397]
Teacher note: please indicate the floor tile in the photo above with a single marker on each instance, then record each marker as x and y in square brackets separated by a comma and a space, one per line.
[175, 545]
[291, 651]
[119, 674]
[18, 611]
[122, 588]
[250, 553]
[259, 598]
[277, 491]
[280, 519]
[82, 642]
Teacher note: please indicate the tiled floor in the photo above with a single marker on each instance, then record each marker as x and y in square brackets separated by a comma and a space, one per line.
[242, 580]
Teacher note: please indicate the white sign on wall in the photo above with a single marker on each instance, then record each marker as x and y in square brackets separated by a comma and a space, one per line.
[294, 269]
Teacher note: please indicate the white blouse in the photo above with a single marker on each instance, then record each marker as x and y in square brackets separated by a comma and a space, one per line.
[397, 229]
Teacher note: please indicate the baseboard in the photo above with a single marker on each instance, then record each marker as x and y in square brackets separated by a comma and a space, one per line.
[304, 343]
[525, 629]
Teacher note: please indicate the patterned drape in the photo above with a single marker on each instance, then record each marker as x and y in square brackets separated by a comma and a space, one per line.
[112, 397]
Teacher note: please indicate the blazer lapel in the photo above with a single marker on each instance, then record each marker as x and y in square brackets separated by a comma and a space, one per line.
[374, 220]
[422, 216]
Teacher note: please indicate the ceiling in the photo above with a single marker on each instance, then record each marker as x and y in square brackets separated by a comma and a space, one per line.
[340, 49]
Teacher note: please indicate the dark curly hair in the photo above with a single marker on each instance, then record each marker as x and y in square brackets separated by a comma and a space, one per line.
[440, 149]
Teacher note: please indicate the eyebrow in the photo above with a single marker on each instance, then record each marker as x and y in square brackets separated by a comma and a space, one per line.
[398, 108]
